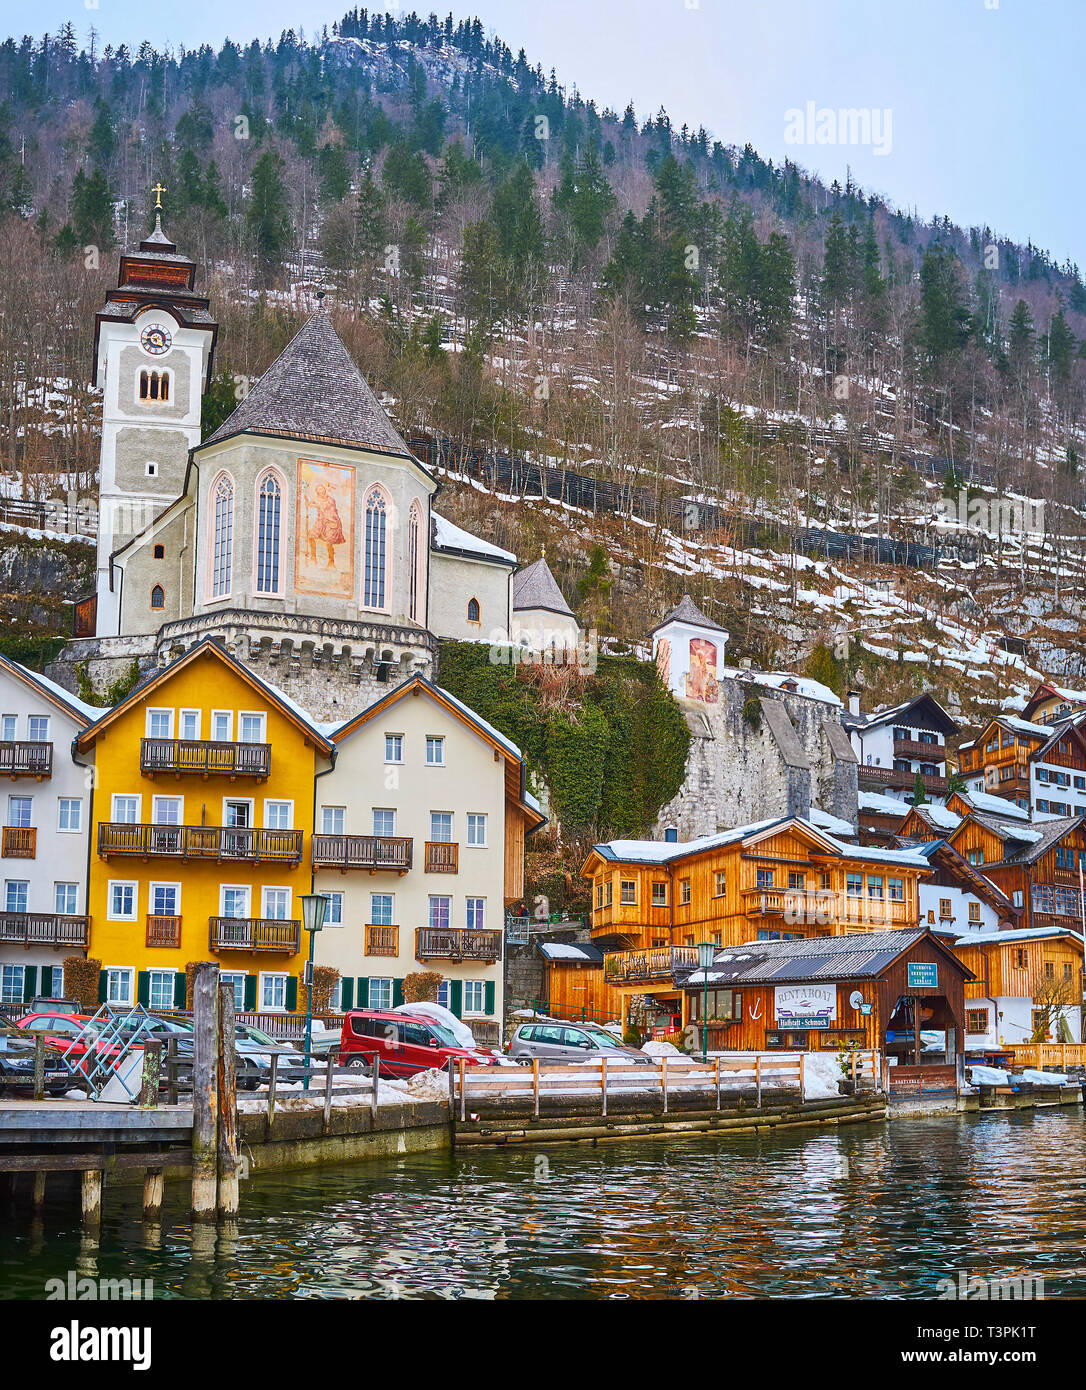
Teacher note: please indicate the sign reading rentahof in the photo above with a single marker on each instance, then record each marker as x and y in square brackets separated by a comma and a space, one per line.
[805, 1006]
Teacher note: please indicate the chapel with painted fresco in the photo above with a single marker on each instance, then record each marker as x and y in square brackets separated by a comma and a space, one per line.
[301, 533]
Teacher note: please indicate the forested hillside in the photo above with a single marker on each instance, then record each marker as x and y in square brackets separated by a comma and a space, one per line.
[605, 292]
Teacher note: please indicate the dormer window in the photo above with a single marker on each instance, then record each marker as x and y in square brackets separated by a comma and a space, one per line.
[154, 386]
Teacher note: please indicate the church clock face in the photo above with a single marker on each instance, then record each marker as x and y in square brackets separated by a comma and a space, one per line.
[156, 339]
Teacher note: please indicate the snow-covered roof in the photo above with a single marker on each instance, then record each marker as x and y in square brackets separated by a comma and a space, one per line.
[662, 852]
[995, 805]
[1025, 726]
[834, 824]
[803, 685]
[564, 950]
[878, 804]
[1019, 934]
[940, 816]
[449, 536]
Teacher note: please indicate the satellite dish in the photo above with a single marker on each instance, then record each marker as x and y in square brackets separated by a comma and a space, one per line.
[855, 999]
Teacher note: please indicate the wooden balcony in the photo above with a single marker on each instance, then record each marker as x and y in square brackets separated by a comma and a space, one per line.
[442, 858]
[382, 941]
[899, 778]
[26, 760]
[205, 759]
[917, 748]
[44, 929]
[20, 842]
[214, 842]
[163, 930]
[371, 852]
[439, 943]
[651, 963]
[255, 934]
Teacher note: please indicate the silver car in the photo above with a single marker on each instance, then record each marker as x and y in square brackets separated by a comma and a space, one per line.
[568, 1042]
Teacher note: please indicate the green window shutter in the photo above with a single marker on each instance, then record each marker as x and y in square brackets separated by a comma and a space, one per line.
[30, 982]
[180, 988]
[143, 987]
[397, 993]
[250, 993]
[47, 982]
[362, 994]
[101, 986]
[292, 993]
[456, 997]
[488, 992]
[346, 993]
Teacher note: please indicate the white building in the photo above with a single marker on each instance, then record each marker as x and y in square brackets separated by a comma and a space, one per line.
[543, 623]
[894, 745]
[419, 845]
[688, 649]
[45, 834]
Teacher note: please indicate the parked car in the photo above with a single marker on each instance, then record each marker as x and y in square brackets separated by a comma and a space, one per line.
[17, 1048]
[405, 1045]
[251, 1070]
[568, 1042]
[324, 1039]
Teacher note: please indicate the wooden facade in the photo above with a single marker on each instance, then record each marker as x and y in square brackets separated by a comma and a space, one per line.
[577, 989]
[1042, 884]
[1021, 968]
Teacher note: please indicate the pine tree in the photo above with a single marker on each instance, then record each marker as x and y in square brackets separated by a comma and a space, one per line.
[1020, 338]
[1060, 348]
[92, 210]
[267, 217]
[335, 173]
[945, 319]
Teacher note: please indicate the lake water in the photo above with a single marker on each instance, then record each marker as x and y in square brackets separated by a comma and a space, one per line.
[874, 1210]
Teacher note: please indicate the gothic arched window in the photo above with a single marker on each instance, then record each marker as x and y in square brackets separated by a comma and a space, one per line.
[269, 506]
[222, 537]
[376, 534]
[473, 610]
[158, 597]
[413, 562]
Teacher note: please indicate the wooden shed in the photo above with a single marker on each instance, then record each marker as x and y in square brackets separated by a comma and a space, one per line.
[880, 989]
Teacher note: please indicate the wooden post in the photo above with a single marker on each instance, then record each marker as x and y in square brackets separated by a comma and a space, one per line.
[39, 1067]
[327, 1092]
[154, 1187]
[91, 1198]
[171, 1069]
[228, 1104]
[452, 1090]
[535, 1084]
[152, 1073]
[271, 1088]
[373, 1092]
[718, 1083]
[758, 1079]
[39, 1191]
[802, 1064]
[885, 1074]
[959, 1072]
[603, 1081]
[205, 1092]
[663, 1079]
[854, 1073]
[463, 1092]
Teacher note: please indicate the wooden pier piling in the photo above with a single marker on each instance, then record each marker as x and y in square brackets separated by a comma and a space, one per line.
[228, 1104]
[154, 1190]
[91, 1199]
[205, 1092]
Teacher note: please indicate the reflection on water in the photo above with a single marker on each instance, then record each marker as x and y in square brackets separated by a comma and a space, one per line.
[873, 1210]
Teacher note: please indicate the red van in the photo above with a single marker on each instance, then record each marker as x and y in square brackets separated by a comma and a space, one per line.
[405, 1044]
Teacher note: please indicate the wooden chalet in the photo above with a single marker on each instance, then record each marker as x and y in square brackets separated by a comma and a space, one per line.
[1052, 704]
[1037, 865]
[880, 818]
[1029, 763]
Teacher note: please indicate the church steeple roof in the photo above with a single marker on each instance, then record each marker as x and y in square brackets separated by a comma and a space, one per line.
[536, 587]
[687, 611]
[314, 391]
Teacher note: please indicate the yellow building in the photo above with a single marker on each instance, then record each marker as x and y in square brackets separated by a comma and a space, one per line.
[201, 814]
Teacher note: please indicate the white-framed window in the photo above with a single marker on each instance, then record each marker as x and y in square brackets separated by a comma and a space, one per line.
[443, 994]
[37, 728]
[236, 979]
[440, 914]
[476, 914]
[393, 748]
[12, 983]
[336, 1000]
[474, 997]
[222, 725]
[126, 809]
[435, 750]
[122, 899]
[276, 904]
[7, 727]
[384, 821]
[333, 819]
[119, 985]
[234, 898]
[279, 815]
[69, 813]
[334, 916]
[160, 723]
[273, 992]
[167, 810]
[66, 899]
[477, 829]
[189, 721]
[20, 810]
[164, 899]
[381, 910]
[250, 728]
[160, 987]
[380, 993]
[237, 812]
[16, 894]
[441, 827]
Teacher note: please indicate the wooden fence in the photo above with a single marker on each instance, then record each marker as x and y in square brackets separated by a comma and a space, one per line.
[1041, 1055]
[671, 1080]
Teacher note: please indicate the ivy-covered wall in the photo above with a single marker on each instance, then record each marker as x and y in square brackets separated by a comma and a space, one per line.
[611, 745]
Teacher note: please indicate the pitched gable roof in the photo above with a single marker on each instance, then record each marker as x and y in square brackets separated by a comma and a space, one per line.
[687, 611]
[536, 587]
[314, 391]
[208, 648]
[78, 710]
[854, 956]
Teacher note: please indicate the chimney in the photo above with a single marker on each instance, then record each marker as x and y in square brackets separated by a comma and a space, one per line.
[853, 699]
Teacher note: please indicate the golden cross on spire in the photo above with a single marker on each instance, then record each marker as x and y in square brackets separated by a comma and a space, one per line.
[158, 191]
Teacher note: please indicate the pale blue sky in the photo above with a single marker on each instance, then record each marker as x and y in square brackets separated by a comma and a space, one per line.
[986, 125]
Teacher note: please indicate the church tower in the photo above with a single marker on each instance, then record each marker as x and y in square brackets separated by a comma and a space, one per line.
[153, 345]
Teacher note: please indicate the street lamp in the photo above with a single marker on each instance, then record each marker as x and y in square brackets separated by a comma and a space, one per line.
[706, 952]
[314, 907]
